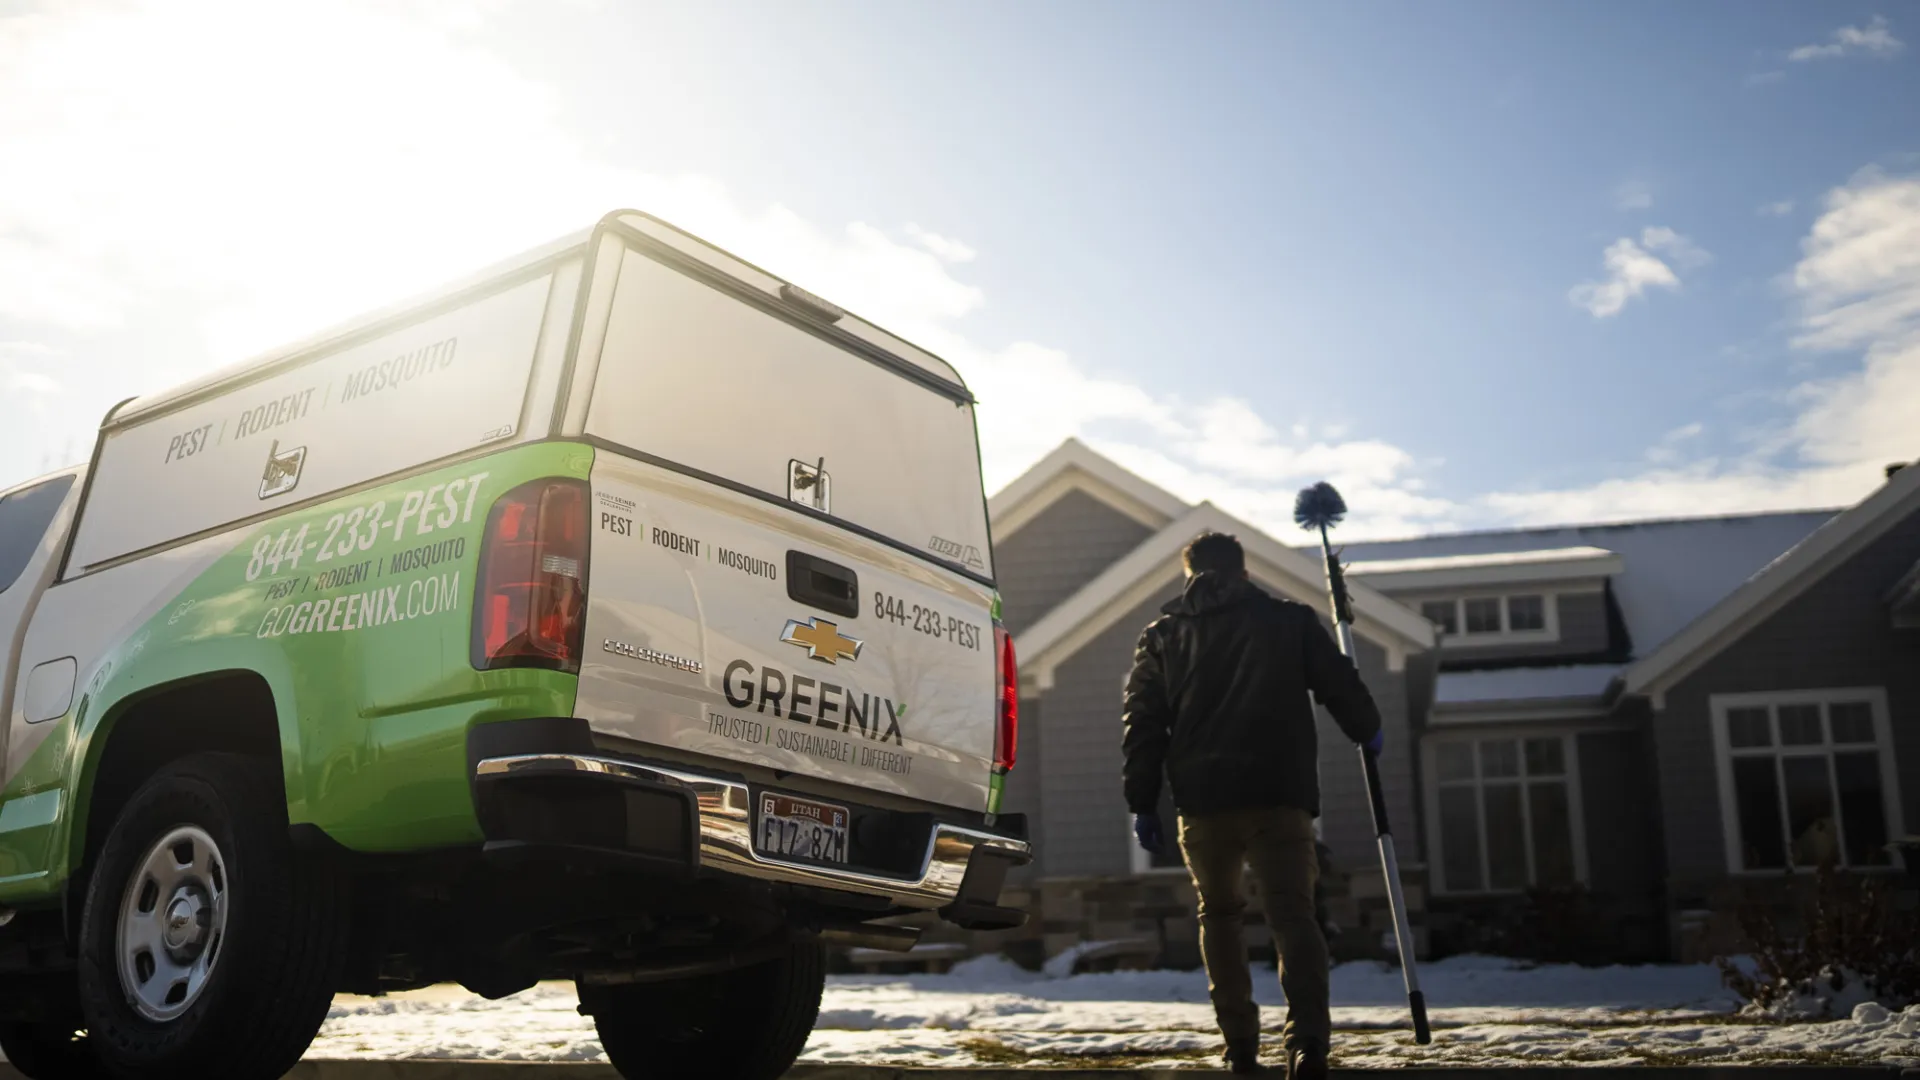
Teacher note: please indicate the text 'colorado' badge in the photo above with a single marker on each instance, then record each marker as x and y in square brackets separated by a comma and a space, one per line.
[822, 640]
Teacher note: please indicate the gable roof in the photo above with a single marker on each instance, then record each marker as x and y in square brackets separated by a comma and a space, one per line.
[1148, 569]
[1775, 585]
[1075, 466]
[1671, 571]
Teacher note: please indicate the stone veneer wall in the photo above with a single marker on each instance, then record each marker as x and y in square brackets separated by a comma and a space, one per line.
[1159, 908]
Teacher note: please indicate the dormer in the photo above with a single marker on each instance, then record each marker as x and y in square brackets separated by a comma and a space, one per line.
[1511, 606]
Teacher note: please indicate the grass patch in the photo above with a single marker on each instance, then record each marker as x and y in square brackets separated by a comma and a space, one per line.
[1498, 1056]
[994, 1052]
[1743, 1057]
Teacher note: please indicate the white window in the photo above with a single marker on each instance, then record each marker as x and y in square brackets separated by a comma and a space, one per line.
[1526, 613]
[1444, 614]
[1507, 813]
[1806, 777]
[1494, 620]
[1483, 614]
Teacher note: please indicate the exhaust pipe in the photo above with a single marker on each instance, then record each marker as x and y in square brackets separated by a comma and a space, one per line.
[872, 936]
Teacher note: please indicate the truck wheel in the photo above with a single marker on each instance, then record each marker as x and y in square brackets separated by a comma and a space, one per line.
[208, 946]
[49, 1052]
[748, 1024]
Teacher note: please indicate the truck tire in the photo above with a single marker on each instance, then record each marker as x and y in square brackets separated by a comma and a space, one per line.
[49, 1052]
[208, 945]
[748, 1024]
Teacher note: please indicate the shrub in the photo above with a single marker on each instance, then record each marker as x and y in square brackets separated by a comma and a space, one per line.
[1557, 925]
[1851, 939]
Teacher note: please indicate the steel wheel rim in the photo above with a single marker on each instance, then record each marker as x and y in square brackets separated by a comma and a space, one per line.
[173, 921]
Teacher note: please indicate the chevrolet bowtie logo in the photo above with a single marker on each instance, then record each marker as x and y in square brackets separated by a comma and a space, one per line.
[822, 640]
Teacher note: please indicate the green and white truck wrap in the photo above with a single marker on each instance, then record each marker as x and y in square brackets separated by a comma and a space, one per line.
[624, 615]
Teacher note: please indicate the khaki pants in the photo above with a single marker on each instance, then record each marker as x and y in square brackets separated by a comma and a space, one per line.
[1278, 842]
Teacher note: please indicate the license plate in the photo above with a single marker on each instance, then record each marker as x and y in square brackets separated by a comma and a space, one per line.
[793, 828]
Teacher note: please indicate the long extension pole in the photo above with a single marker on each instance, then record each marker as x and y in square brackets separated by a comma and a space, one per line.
[1320, 506]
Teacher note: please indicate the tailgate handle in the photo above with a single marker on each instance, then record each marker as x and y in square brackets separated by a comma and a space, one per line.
[818, 583]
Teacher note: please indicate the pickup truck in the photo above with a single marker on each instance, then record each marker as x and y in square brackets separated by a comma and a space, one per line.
[624, 614]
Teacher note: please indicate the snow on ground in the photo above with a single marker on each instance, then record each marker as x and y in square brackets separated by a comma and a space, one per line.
[1485, 1011]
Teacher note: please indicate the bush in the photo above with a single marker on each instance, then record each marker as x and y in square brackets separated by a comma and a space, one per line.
[1557, 925]
[1850, 940]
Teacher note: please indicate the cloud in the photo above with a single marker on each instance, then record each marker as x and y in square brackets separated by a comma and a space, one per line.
[1775, 209]
[1859, 280]
[1632, 268]
[1684, 252]
[436, 157]
[1857, 286]
[1703, 488]
[1633, 195]
[945, 247]
[1873, 39]
[22, 383]
[30, 382]
[1671, 445]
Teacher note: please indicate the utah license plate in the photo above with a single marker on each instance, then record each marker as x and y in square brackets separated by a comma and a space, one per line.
[802, 829]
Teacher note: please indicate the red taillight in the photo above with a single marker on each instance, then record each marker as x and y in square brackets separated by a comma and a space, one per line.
[530, 606]
[1006, 741]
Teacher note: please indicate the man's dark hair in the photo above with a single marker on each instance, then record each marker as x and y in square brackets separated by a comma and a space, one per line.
[1218, 552]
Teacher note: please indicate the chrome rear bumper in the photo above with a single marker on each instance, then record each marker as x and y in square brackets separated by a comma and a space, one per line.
[725, 809]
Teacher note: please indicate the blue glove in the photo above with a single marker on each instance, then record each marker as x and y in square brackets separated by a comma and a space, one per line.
[1146, 829]
[1378, 743]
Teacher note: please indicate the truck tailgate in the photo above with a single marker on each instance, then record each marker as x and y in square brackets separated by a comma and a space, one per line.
[735, 628]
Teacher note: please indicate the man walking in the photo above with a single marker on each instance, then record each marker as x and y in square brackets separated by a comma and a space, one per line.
[1217, 701]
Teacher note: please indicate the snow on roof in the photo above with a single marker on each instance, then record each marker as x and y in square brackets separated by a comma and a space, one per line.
[1490, 558]
[1487, 568]
[1672, 571]
[1525, 684]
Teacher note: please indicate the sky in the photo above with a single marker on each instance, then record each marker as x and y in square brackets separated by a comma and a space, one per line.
[1478, 264]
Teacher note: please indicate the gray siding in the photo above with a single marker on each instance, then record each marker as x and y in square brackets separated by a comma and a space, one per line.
[1050, 557]
[1085, 817]
[1838, 633]
[1025, 794]
[1620, 808]
[1346, 816]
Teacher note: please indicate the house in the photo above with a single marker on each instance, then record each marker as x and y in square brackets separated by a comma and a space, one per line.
[1085, 553]
[1659, 718]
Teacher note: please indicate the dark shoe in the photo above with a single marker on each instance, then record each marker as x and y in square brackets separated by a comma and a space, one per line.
[1243, 1056]
[1307, 1060]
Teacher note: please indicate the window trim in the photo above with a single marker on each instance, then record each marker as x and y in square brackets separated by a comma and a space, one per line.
[1506, 635]
[1719, 705]
[1576, 808]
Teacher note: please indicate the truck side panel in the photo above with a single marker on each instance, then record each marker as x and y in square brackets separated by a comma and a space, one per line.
[356, 613]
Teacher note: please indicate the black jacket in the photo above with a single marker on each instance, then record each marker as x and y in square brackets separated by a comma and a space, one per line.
[1218, 701]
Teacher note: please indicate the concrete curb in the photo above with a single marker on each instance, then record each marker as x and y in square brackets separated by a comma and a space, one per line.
[579, 1070]
[445, 1069]
[1439, 1073]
